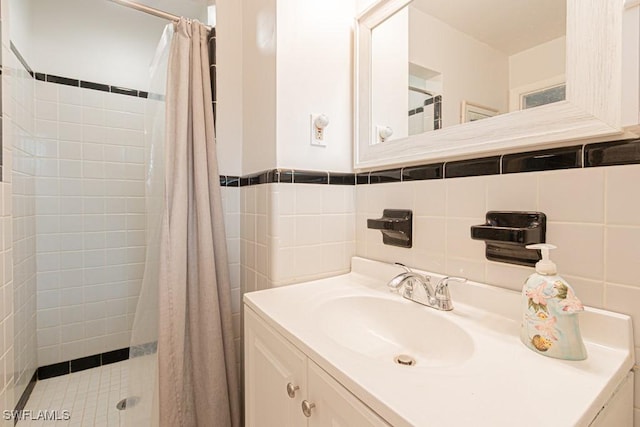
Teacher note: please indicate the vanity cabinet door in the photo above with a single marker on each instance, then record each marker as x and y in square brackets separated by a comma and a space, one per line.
[334, 405]
[271, 364]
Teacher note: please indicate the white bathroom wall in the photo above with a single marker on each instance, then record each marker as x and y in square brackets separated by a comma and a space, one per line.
[229, 130]
[471, 70]
[593, 217]
[96, 40]
[90, 219]
[537, 64]
[258, 85]
[17, 25]
[297, 60]
[314, 75]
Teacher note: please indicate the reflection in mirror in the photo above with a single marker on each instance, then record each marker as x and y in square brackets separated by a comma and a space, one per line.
[464, 61]
[425, 100]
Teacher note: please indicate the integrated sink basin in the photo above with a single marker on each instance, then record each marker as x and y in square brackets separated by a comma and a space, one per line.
[384, 328]
[353, 328]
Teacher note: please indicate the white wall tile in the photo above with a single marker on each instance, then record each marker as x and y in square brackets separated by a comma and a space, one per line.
[46, 110]
[622, 255]
[389, 196]
[513, 192]
[93, 222]
[429, 197]
[507, 276]
[308, 200]
[623, 206]
[430, 234]
[69, 113]
[333, 199]
[588, 261]
[308, 230]
[466, 197]
[562, 200]
[624, 299]
[470, 269]
[459, 242]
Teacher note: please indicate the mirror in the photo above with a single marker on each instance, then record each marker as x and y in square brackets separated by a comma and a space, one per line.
[440, 79]
[439, 64]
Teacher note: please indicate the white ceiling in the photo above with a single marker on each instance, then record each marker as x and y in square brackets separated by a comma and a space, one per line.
[510, 26]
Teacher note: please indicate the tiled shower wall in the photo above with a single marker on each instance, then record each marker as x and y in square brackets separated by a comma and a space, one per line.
[19, 120]
[295, 232]
[593, 216]
[90, 219]
[17, 228]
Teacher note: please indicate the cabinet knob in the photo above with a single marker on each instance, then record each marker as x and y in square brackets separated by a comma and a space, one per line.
[307, 407]
[291, 390]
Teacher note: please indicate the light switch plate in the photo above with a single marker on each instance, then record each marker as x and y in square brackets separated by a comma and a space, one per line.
[318, 136]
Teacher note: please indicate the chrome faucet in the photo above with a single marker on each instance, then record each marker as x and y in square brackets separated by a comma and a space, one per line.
[423, 293]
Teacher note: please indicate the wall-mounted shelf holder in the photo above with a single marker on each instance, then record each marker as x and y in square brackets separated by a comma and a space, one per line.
[396, 226]
[506, 234]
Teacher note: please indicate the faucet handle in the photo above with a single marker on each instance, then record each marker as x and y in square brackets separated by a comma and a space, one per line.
[406, 269]
[444, 282]
[442, 294]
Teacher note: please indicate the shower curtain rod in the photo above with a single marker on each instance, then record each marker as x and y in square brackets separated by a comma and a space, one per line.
[150, 10]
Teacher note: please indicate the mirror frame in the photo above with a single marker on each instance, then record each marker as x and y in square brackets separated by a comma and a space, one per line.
[592, 108]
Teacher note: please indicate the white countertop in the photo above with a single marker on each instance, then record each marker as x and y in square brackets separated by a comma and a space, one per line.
[502, 384]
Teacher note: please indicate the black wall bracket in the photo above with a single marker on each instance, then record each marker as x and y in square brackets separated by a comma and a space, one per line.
[506, 234]
[396, 226]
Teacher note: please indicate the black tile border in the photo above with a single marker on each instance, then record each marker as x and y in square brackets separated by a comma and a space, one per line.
[77, 365]
[336, 178]
[114, 356]
[624, 152]
[310, 177]
[424, 172]
[94, 86]
[384, 176]
[26, 394]
[69, 367]
[612, 153]
[62, 80]
[50, 78]
[472, 167]
[543, 160]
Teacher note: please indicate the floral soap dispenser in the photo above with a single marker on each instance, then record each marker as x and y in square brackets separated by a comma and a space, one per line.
[550, 312]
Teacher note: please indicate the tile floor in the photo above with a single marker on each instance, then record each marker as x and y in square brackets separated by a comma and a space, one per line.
[90, 396]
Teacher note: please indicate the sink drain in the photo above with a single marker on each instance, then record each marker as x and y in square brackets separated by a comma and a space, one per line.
[405, 360]
[126, 403]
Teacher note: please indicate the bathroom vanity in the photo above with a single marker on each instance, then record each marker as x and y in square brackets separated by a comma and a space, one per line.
[346, 351]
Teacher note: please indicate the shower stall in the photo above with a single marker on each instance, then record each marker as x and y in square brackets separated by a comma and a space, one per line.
[88, 173]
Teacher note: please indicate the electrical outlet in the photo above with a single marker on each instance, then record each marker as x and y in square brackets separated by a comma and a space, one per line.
[318, 134]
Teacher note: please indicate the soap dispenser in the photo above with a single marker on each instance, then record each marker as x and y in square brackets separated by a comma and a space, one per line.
[550, 312]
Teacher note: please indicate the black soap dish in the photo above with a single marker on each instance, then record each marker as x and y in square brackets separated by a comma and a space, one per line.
[506, 234]
[396, 226]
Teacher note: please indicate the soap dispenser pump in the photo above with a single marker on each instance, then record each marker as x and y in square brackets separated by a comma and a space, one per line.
[550, 312]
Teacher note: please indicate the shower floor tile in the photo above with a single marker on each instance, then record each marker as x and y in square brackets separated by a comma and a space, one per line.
[89, 396]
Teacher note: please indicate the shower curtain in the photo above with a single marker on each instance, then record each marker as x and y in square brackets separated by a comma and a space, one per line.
[198, 383]
[186, 274]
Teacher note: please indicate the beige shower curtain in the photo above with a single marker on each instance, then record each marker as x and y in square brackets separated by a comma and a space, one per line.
[198, 383]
